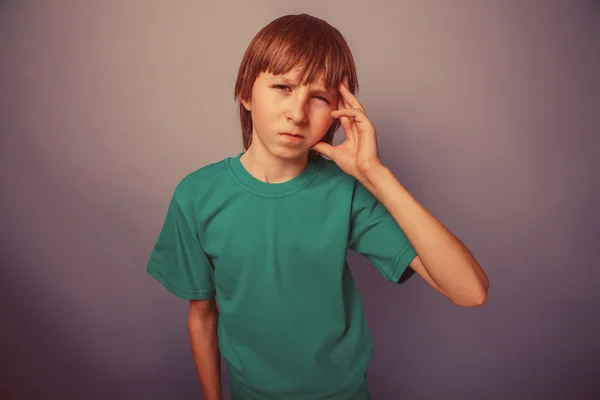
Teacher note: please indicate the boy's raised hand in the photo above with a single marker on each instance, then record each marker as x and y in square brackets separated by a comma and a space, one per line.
[358, 154]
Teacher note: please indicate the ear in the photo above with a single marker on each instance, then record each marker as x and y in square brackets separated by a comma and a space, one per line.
[245, 103]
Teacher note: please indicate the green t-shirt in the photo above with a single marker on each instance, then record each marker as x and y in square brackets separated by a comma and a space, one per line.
[291, 324]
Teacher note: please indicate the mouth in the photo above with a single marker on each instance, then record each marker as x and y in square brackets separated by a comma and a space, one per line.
[292, 136]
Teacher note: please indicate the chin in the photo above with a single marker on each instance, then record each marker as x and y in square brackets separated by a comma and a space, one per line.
[289, 153]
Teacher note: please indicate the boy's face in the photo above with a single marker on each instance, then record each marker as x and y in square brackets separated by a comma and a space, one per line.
[289, 118]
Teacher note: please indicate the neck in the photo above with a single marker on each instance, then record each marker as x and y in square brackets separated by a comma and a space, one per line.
[267, 167]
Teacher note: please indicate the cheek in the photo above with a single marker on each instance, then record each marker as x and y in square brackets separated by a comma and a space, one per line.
[260, 113]
[262, 107]
[322, 119]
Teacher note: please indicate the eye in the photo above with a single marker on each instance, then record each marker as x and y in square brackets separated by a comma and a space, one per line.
[281, 87]
[325, 99]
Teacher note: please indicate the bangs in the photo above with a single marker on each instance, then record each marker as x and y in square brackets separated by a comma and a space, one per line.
[310, 46]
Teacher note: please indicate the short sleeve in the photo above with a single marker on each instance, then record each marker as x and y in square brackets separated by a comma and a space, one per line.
[375, 234]
[178, 261]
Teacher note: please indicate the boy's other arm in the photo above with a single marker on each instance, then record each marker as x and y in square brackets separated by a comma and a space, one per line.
[203, 316]
[442, 259]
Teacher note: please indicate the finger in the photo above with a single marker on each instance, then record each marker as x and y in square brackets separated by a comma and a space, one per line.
[346, 105]
[356, 118]
[344, 122]
[341, 102]
[349, 98]
[324, 148]
[357, 114]
[346, 84]
[348, 128]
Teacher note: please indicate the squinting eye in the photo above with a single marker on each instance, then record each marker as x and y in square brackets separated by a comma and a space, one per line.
[323, 98]
[282, 87]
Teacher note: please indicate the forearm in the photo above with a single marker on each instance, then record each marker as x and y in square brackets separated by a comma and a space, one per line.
[203, 337]
[446, 259]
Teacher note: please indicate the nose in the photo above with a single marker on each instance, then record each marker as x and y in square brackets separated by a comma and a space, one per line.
[296, 110]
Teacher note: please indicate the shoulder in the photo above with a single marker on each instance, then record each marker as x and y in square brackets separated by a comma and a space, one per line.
[330, 170]
[201, 181]
[331, 173]
[350, 186]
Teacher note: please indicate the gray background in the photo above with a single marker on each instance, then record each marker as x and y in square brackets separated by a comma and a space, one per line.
[487, 111]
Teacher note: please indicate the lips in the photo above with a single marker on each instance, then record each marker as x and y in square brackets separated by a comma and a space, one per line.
[291, 134]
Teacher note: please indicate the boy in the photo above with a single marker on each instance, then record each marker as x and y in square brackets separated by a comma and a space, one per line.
[266, 233]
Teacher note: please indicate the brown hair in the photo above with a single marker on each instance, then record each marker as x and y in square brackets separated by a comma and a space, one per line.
[292, 41]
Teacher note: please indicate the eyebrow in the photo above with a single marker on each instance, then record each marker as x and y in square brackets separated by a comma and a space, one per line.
[319, 91]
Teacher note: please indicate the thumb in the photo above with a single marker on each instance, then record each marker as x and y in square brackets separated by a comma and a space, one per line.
[324, 148]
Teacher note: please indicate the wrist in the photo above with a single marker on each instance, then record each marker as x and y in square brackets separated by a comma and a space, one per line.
[372, 176]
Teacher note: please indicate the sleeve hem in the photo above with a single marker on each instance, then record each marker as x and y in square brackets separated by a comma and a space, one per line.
[187, 294]
[401, 262]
